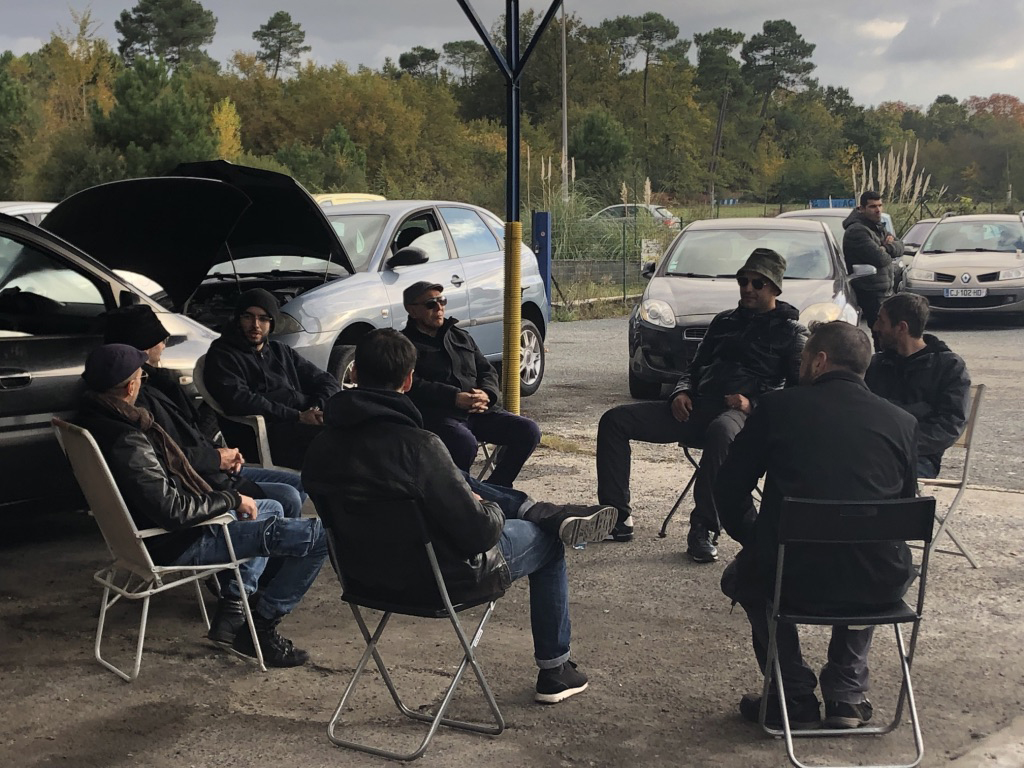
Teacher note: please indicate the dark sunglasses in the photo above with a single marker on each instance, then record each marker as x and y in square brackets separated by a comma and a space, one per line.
[432, 304]
[757, 282]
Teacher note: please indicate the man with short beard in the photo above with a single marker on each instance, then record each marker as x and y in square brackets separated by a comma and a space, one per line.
[865, 241]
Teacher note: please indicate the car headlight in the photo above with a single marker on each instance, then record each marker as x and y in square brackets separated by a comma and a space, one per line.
[657, 312]
[1011, 274]
[921, 274]
[823, 312]
[287, 324]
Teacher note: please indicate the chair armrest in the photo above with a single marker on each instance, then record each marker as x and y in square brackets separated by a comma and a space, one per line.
[942, 482]
[224, 519]
[259, 425]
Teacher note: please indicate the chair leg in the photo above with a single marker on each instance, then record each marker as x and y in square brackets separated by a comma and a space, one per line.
[961, 548]
[664, 526]
[104, 605]
[202, 605]
[245, 609]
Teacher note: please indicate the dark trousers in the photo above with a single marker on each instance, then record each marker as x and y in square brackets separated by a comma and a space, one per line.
[844, 677]
[711, 427]
[518, 434]
[870, 304]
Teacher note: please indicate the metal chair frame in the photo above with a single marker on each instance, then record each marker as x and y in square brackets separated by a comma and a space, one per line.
[808, 521]
[689, 487]
[491, 454]
[132, 574]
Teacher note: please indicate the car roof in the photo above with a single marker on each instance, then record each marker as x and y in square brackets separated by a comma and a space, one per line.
[798, 225]
[390, 207]
[820, 212]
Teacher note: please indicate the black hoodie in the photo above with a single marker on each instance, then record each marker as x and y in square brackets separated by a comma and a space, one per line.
[933, 386]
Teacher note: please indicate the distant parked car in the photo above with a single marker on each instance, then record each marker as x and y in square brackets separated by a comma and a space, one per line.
[696, 279]
[343, 198]
[32, 212]
[656, 213]
[971, 264]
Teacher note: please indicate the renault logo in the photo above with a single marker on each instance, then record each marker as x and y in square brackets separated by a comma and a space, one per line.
[965, 278]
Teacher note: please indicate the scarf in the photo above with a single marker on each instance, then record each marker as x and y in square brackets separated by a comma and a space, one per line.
[173, 458]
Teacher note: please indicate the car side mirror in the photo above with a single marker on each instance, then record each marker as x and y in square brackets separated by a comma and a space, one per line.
[407, 257]
[648, 269]
[128, 299]
[862, 270]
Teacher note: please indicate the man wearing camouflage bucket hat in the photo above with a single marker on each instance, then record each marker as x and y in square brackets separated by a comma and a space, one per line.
[746, 352]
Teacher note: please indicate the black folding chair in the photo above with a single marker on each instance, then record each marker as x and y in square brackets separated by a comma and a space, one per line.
[367, 556]
[811, 522]
[689, 487]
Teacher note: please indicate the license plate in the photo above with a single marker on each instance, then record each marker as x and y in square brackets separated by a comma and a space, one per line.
[965, 293]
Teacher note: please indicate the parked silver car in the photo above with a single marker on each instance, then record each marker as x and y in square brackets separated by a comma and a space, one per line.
[639, 212]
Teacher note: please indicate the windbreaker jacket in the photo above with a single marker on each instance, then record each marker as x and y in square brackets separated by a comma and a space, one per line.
[275, 382]
[932, 386]
[746, 353]
[445, 369]
[862, 244]
[373, 449]
[154, 496]
[832, 439]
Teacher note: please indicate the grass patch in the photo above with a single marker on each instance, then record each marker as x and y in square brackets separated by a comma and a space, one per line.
[561, 444]
[594, 311]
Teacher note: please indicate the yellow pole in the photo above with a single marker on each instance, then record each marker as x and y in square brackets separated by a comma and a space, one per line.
[513, 316]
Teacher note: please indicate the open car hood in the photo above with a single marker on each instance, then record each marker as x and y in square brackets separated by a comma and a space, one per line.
[174, 228]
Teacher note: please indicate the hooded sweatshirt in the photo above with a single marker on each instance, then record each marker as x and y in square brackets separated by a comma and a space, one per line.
[862, 244]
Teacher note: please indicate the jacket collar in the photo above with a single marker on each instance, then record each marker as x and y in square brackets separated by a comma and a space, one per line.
[847, 376]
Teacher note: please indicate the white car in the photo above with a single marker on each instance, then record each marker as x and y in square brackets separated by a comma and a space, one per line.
[639, 212]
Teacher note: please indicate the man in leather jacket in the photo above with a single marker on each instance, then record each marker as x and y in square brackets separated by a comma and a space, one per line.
[746, 352]
[177, 414]
[920, 374]
[374, 450]
[456, 389]
[162, 489]
[865, 241]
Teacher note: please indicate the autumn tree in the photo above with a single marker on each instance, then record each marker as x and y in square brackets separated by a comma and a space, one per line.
[281, 43]
[227, 130]
[174, 30]
[13, 108]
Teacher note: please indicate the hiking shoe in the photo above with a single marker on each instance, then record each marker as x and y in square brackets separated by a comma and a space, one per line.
[622, 531]
[229, 618]
[557, 684]
[583, 524]
[700, 544]
[841, 714]
[804, 711]
[277, 651]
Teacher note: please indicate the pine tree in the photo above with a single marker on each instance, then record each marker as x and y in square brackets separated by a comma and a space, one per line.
[281, 43]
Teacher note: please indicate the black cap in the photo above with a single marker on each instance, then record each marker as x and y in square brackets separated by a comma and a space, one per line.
[257, 297]
[111, 364]
[414, 291]
[137, 326]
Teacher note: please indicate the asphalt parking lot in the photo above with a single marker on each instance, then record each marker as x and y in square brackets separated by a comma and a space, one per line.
[667, 659]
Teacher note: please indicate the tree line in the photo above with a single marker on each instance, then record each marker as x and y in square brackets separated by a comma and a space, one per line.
[718, 115]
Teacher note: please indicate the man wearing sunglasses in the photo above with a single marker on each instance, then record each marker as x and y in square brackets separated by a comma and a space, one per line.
[746, 352]
[456, 389]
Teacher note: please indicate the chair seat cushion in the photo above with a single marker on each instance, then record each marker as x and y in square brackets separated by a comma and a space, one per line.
[897, 613]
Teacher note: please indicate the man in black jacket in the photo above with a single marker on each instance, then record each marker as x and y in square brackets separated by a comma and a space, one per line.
[920, 374]
[865, 241]
[746, 352]
[828, 439]
[222, 467]
[374, 449]
[162, 489]
[457, 390]
[249, 373]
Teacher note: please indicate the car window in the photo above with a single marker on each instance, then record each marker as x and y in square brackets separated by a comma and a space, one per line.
[615, 212]
[917, 233]
[952, 236]
[423, 231]
[721, 252]
[360, 234]
[471, 235]
[41, 295]
[664, 212]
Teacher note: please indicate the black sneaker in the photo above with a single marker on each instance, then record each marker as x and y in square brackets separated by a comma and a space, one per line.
[700, 544]
[557, 684]
[804, 712]
[840, 714]
[622, 531]
[277, 651]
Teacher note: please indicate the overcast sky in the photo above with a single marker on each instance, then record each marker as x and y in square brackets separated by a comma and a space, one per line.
[908, 50]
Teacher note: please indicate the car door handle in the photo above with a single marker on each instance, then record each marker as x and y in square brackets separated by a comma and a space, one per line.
[12, 378]
[457, 281]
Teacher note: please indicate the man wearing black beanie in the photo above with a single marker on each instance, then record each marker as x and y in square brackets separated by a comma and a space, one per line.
[249, 373]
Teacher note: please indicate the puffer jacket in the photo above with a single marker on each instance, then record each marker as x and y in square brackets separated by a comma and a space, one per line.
[446, 365]
[275, 382]
[746, 353]
[153, 495]
[933, 386]
[373, 452]
[862, 244]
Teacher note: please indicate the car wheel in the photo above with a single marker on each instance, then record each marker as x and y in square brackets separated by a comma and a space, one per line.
[643, 390]
[531, 358]
[340, 364]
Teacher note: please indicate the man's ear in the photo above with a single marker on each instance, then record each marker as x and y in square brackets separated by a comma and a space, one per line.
[407, 383]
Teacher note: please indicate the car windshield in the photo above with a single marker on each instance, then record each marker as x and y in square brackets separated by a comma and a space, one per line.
[359, 233]
[954, 236]
[279, 265]
[721, 252]
[917, 233]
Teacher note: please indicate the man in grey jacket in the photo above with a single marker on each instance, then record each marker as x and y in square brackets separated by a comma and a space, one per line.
[865, 241]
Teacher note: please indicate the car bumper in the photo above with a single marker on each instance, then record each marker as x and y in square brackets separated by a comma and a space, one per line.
[996, 301]
[661, 354]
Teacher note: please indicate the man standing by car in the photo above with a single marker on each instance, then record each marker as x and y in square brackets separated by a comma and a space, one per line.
[830, 438]
[920, 374]
[249, 373]
[745, 353]
[865, 241]
[456, 389]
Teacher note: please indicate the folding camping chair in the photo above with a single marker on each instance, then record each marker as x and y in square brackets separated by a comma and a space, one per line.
[132, 573]
[491, 454]
[810, 522]
[363, 548]
[689, 487]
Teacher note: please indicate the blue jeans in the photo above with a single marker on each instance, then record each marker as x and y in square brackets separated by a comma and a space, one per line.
[529, 551]
[300, 544]
[512, 502]
[279, 485]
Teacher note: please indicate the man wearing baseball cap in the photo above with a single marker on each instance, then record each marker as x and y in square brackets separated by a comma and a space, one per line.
[161, 488]
[745, 352]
